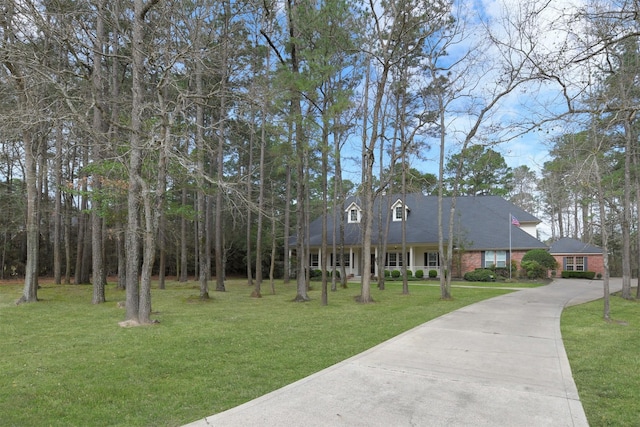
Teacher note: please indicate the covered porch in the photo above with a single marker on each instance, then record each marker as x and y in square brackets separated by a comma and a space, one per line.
[423, 258]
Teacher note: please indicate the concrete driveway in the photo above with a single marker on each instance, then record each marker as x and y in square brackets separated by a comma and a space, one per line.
[499, 362]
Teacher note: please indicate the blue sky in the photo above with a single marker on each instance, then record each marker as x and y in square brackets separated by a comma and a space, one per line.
[529, 103]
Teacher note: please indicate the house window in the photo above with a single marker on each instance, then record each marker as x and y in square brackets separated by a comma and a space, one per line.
[574, 263]
[399, 211]
[495, 259]
[394, 259]
[347, 260]
[314, 260]
[354, 214]
[398, 216]
[432, 259]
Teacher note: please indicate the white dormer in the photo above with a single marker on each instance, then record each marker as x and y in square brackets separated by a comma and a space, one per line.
[399, 211]
[354, 213]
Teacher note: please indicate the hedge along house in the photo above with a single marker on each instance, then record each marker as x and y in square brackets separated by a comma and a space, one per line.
[574, 255]
[484, 235]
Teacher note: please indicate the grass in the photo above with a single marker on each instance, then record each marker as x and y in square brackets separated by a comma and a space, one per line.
[65, 362]
[604, 358]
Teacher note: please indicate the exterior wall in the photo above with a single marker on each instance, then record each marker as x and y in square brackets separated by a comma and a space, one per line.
[595, 262]
[469, 261]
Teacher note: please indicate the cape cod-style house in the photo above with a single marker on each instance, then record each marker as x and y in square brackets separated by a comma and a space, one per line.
[488, 231]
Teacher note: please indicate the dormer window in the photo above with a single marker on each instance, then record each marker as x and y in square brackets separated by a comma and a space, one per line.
[399, 210]
[399, 215]
[354, 214]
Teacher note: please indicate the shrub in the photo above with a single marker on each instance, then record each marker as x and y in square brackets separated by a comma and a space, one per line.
[409, 273]
[387, 273]
[336, 272]
[542, 257]
[433, 273]
[480, 275]
[533, 269]
[395, 274]
[578, 274]
[419, 274]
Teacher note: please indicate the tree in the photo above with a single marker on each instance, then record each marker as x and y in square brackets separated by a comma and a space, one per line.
[397, 32]
[27, 92]
[138, 302]
[483, 172]
[524, 188]
[542, 257]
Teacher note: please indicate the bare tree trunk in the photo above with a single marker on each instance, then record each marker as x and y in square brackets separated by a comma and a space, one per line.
[261, 172]
[82, 231]
[605, 242]
[274, 242]
[249, 228]
[219, 227]
[98, 274]
[626, 214]
[636, 167]
[287, 224]
[325, 208]
[57, 220]
[201, 196]
[183, 241]
[138, 304]
[30, 289]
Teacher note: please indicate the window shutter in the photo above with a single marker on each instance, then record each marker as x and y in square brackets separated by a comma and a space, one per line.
[482, 259]
[585, 263]
[564, 263]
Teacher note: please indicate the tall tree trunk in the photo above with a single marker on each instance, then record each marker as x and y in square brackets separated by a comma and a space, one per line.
[201, 196]
[57, 213]
[261, 172]
[138, 303]
[325, 207]
[249, 229]
[30, 289]
[286, 228]
[604, 234]
[82, 231]
[300, 157]
[636, 168]
[626, 213]
[274, 242]
[183, 241]
[224, 67]
[98, 272]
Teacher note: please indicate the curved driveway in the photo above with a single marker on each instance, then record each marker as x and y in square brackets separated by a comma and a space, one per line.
[499, 362]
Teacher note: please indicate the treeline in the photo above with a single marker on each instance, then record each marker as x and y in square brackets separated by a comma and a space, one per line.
[196, 137]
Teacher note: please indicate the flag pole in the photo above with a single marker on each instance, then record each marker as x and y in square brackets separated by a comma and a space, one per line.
[509, 265]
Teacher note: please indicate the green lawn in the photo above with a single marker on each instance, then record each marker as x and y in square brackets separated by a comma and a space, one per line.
[605, 360]
[65, 362]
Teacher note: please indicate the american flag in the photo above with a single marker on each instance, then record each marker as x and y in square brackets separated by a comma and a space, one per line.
[514, 221]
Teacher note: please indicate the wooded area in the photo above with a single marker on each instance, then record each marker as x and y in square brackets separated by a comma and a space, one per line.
[196, 137]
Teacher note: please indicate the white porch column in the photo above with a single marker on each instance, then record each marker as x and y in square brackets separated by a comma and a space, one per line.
[412, 261]
[351, 261]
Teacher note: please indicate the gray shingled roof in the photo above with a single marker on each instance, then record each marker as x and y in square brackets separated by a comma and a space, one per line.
[481, 223]
[568, 245]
